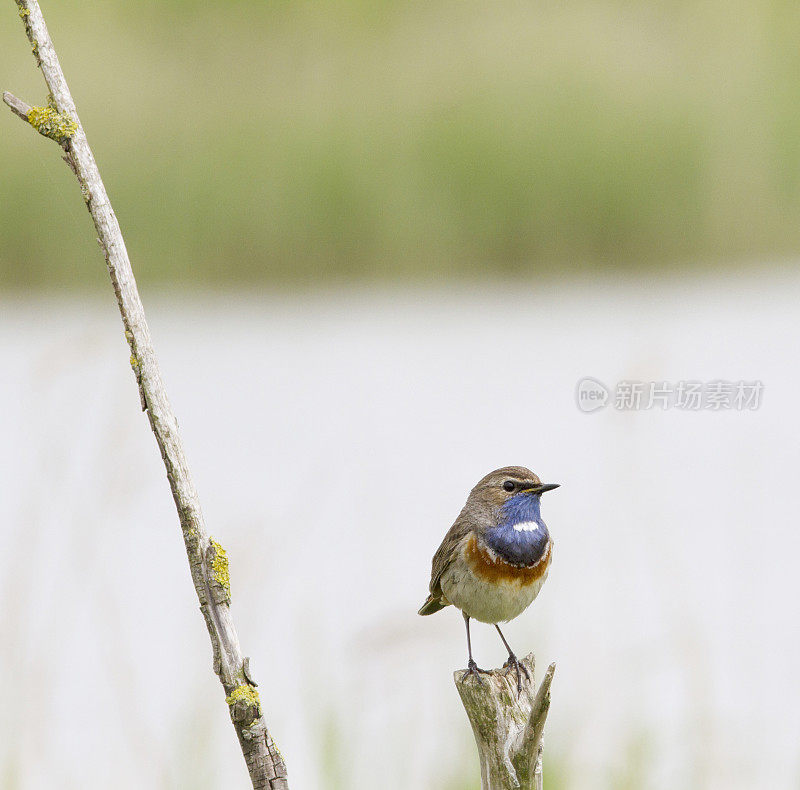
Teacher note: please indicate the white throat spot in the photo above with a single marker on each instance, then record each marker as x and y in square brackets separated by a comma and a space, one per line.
[526, 526]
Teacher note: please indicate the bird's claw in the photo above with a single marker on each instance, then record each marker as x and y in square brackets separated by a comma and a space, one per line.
[520, 668]
[474, 670]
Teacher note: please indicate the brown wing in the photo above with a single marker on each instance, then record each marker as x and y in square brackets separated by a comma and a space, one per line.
[445, 554]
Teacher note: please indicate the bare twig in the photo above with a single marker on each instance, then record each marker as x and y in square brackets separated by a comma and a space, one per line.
[207, 560]
[508, 727]
[18, 107]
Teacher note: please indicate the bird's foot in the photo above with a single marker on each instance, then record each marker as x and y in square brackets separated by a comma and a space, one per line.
[521, 669]
[474, 670]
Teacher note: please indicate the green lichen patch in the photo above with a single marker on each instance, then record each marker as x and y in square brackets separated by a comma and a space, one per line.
[245, 694]
[52, 124]
[245, 704]
[220, 569]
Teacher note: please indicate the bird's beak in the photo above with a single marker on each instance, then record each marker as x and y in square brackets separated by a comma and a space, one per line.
[540, 489]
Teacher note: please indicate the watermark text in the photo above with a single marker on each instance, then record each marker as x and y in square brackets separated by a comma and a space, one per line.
[716, 395]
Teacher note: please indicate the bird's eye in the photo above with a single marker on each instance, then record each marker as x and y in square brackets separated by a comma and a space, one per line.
[508, 485]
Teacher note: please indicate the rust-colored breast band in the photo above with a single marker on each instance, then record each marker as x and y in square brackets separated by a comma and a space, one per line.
[494, 569]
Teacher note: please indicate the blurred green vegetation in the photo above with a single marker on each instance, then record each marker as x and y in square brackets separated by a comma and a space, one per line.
[299, 142]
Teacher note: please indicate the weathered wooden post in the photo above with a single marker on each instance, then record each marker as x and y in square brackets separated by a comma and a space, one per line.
[508, 727]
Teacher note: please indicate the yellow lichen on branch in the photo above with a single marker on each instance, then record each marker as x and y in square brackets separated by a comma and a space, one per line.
[246, 694]
[52, 124]
[244, 703]
[220, 568]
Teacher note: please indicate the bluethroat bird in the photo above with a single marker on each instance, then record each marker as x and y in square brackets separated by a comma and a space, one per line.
[495, 558]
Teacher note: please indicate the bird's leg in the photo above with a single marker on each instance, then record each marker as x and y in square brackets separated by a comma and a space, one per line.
[513, 661]
[472, 667]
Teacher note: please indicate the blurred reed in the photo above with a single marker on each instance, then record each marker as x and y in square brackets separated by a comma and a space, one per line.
[303, 142]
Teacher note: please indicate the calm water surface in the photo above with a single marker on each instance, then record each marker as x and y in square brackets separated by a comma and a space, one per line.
[334, 438]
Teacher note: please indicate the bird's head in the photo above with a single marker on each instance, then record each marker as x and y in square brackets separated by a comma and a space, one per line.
[502, 485]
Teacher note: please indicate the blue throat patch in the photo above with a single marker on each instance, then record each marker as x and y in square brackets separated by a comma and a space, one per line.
[520, 546]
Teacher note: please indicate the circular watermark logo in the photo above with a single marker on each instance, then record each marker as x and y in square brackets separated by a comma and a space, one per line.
[591, 394]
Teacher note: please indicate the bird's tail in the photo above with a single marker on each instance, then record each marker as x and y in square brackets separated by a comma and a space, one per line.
[431, 605]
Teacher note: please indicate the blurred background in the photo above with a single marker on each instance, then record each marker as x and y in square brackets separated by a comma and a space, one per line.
[380, 244]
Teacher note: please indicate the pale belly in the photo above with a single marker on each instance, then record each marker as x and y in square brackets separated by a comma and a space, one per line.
[488, 601]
